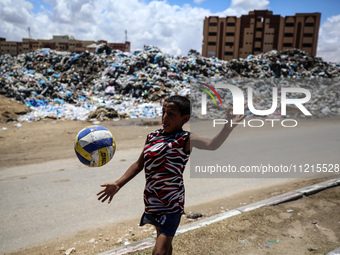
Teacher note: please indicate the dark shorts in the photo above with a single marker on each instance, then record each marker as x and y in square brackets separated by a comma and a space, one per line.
[167, 223]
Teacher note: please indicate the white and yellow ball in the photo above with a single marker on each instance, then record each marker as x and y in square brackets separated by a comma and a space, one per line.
[94, 146]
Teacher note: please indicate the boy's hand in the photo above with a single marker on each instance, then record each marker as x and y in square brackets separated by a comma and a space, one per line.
[235, 118]
[110, 190]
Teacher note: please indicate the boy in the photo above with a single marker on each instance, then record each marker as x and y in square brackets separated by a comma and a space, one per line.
[164, 157]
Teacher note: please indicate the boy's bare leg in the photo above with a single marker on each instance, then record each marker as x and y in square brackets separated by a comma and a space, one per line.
[163, 244]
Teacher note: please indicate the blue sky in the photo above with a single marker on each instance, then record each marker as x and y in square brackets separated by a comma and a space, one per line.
[174, 26]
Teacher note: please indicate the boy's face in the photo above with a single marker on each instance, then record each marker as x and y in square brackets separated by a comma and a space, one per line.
[172, 120]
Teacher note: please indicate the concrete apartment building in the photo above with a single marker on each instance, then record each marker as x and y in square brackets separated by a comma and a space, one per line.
[260, 31]
[59, 42]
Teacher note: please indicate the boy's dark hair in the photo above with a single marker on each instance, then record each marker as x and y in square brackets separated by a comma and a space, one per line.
[182, 102]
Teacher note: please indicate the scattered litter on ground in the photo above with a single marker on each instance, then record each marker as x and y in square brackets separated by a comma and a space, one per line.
[274, 241]
[195, 216]
[70, 250]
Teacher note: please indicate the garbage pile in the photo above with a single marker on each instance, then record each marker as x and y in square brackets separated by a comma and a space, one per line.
[105, 113]
[65, 85]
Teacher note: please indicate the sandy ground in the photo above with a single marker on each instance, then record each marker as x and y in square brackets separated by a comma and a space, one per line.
[310, 225]
[48, 140]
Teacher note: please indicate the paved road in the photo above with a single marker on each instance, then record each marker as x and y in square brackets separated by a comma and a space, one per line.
[42, 202]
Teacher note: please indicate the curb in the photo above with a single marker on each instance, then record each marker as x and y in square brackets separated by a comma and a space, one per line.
[206, 221]
[334, 252]
[286, 197]
[310, 190]
[136, 246]
[289, 196]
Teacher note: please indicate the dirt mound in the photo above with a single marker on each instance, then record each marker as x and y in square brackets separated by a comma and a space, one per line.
[11, 109]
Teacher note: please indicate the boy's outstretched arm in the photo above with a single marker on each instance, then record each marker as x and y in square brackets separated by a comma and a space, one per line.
[112, 188]
[214, 143]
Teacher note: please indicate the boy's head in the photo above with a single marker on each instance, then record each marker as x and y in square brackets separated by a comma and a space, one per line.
[176, 112]
[183, 104]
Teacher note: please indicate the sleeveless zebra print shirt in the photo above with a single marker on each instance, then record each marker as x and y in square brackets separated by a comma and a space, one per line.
[165, 159]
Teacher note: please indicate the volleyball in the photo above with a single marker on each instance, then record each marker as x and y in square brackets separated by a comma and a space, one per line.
[94, 146]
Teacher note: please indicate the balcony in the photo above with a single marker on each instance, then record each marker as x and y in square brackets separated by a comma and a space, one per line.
[308, 30]
[288, 40]
[307, 40]
[212, 38]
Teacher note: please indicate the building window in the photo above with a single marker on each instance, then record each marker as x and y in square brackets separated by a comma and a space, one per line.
[258, 39]
[228, 53]
[212, 43]
[259, 29]
[257, 49]
[309, 25]
[230, 24]
[307, 35]
[213, 24]
[287, 45]
[229, 44]
[289, 35]
[289, 24]
[212, 34]
[230, 34]
[307, 45]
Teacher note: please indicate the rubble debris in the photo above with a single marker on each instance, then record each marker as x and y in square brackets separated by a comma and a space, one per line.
[66, 85]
